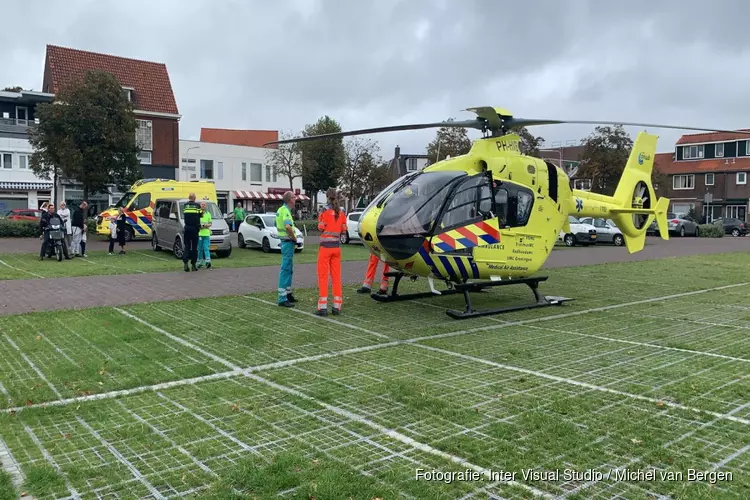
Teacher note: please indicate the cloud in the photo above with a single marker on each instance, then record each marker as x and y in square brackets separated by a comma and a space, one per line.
[283, 64]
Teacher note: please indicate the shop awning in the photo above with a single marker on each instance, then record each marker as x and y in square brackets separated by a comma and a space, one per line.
[257, 195]
[25, 186]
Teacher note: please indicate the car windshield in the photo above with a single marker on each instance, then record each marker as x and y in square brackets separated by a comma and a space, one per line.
[210, 207]
[269, 220]
[125, 200]
[573, 220]
[670, 215]
[414, 206]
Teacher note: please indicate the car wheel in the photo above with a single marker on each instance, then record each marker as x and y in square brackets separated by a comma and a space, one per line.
[735, 232]
[266, 245]
[240, 240]
[129, 235]
[345, 238]
[223, 254]
[178, 248]
[297, 250]
[618, 240]
[682, 231]
[570, 240]
[154, 243]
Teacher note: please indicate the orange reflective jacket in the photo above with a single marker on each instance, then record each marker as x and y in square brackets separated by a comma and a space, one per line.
[331, 227]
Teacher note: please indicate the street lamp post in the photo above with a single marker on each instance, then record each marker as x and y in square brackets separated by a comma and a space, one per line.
[187, 156]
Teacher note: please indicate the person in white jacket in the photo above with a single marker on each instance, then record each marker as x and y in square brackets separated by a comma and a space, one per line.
[64, 213]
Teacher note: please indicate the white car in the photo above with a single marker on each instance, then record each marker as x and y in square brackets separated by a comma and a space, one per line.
[580, 233]
[259, 231]
[352, 227]
[606, 230]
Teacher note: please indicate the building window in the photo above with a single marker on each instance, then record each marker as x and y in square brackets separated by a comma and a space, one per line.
[275, 173]
[709, 179]
[411, 164]
[207, 169]
[736, 212]
[128, 93]
[6, 159]
[144, 140]
[683, 181]
[719, 150]
[145, 157]
[244, 171]
[268, 173]
[220, 173]
[682, 208]
[256, 172]
[23, 161]
[741, 177]
[692, 152]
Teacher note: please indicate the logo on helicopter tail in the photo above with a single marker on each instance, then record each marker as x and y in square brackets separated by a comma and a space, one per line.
[643, 157]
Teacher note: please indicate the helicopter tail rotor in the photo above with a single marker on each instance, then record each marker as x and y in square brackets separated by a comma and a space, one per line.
[635, 196]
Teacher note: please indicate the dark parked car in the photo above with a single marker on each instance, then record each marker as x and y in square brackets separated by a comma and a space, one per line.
[735, 227]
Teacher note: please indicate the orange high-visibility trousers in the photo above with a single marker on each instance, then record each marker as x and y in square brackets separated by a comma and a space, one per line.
[372, 268]
[329, 264]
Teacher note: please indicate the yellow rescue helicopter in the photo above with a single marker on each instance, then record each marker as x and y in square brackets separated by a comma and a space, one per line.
[491, 217]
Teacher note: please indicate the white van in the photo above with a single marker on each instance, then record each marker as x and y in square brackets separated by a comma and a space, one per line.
[580, 233]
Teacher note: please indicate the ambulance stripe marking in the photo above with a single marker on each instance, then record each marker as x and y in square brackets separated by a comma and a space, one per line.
[489, 229]
[462, 268]
[474, 268]
[489, 239]
[467, 243]
[444, 247]
[425, 254]
[445, 238]
[468, 234]
[447, 265]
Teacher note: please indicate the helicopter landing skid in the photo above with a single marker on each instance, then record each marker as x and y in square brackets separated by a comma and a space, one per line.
[533, 283]
[395, 297]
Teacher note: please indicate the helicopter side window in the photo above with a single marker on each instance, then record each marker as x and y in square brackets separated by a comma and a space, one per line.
[467, 204]
[524, 201]
[501, 205]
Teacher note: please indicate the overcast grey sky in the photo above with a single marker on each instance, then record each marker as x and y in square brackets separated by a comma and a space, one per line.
[279, 64]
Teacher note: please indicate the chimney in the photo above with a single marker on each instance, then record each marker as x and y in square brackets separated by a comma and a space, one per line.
[397, 152]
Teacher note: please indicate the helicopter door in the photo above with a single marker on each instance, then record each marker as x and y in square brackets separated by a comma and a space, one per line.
[467, 221]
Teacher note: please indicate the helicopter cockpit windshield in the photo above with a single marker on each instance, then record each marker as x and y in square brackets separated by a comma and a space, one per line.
[413, 207]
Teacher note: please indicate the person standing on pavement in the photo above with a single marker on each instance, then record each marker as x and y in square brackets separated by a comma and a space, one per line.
[239, 216]
[204, 238]
[77, 223]
[331, 223]
[192, 215]
[287, 234]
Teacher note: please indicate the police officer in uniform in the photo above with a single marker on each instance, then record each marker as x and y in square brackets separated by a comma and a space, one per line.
[192, 216]
[287, 234]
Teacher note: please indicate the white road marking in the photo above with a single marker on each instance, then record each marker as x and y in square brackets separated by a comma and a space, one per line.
[73, 492]
[87, 261]
[179, 340]
[394, 434]
[120, 458]
[10, 465]
[33, 367]
[20, 270]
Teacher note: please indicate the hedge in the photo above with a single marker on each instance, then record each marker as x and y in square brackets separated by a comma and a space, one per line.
[30, 229]
[710, 231]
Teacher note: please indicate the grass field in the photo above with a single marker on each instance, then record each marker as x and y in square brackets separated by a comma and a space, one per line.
[649, 368]
[28, 266]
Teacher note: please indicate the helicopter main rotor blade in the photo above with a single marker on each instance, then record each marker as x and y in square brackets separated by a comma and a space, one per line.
[528, 122]
[476, 123]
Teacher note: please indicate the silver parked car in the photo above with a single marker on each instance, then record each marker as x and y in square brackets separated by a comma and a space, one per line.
[168, 228]
[681, 224]
[606, 231]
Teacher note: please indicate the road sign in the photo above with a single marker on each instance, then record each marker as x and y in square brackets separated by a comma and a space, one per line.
[708, 198]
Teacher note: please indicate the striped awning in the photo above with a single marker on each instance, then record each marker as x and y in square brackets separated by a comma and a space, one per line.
[25, 186]
[257, 195]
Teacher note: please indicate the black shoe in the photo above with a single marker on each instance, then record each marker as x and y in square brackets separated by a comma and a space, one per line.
[208, 265]
[187, 269]
[194, 268]
[286, 304]
[382, 292]
[364, 289]
[321, 312]
[335, 311]
[291, 298]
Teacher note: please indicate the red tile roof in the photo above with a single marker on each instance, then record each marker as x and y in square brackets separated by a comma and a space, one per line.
[153, 90]
[664, 163]
[252, 138]
[713, 137]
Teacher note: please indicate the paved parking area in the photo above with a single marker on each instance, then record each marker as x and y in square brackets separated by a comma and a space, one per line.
[21, 296]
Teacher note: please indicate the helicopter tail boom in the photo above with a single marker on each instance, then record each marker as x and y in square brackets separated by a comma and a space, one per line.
[634, 205]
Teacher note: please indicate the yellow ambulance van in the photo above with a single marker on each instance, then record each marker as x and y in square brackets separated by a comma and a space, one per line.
[138, 203]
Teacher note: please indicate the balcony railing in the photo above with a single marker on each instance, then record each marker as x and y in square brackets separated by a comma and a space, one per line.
[17, 122]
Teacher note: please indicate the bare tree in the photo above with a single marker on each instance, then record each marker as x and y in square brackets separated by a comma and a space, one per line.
[286, 159]
[362, 156]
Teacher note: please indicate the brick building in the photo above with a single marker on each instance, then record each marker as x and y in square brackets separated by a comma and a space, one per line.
[713, 164]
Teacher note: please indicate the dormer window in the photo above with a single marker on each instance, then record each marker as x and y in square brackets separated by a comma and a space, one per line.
[128, 93]
[719, 150]
[692, 152]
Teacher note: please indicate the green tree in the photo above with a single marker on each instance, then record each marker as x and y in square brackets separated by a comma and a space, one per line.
[378, 178]
[286, 159]
[449, 141]
[88, 135]
[529, 144]
[323, 160]
[605, 154]
[362, 156]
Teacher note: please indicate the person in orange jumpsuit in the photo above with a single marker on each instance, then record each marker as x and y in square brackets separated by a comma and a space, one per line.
[331, 223]
[372, 269]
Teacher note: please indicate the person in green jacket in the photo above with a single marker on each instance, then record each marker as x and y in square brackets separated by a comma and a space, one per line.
[239, 216]
[204, 238]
